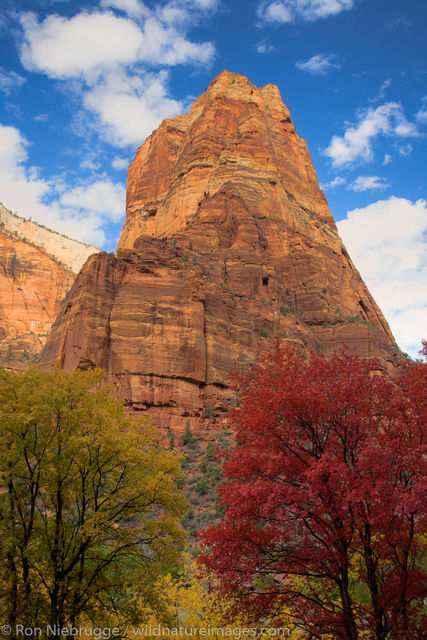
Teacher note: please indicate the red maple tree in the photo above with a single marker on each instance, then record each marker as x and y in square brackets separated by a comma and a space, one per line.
[323, 496]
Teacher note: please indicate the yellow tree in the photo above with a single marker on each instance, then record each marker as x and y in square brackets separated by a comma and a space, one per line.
[194, 605]
[90, 505]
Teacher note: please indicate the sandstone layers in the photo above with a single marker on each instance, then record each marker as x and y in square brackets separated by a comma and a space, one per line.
[71, 253]
[228, 244]
[37, 268]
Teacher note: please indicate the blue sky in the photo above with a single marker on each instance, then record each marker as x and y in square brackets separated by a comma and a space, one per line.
[83, 83]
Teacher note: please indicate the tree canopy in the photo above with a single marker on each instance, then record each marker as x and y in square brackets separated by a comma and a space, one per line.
[90, 505]
[324, 496]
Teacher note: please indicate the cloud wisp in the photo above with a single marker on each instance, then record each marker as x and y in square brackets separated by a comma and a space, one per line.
[338, 181]
[265, 48]
[287, 11]
[368, 183]
[421, 116]
[10, 81]
[320, 64]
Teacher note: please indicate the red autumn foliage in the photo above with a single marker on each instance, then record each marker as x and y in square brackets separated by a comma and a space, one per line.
[324, 496]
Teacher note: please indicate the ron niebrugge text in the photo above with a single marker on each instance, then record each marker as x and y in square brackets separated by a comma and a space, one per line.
[105, 633]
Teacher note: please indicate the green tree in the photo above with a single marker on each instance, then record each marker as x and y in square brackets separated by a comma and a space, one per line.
[9, 353]
[187, 438]
[90, 504]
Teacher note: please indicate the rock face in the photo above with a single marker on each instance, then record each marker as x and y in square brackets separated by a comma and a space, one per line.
[37, 268]
[71, 253]
[228, 244]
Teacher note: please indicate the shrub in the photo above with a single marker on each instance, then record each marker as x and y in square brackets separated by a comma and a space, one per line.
[209, 412]
[285, 310]
[188, 439]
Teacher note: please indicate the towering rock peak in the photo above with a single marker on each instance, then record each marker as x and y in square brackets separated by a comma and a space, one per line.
[236, 137]
[234, 86]
[37, 268]
[228, 244]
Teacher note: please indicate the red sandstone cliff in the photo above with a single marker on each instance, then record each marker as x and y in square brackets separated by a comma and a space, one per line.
[228, 244]
[37, 268]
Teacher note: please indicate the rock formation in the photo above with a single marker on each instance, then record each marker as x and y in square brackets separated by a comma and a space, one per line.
[71, 253]
[37, 268]
[228, 244]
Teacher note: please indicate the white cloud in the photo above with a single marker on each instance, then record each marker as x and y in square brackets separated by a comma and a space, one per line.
[405, 150]
[101, 197]
[129, 108]
[10, 81]
[265, 48]
[89, 44]
[319, 65]
[133, 8]
[184, 11]
[387, 159]
[89, 164]
[172, 14]
[382, 91]
[80, 46]
[204, 4]
[365, 183]
[41, 117]
[285, 11]
[336, 182]
[387, 241]
[80, 213]
[165, 46]
[399, 22]
[119, 163]
[406, 129]
[356, 143]
[275, 12]
[421, 116]
[108, 59]
[13, 152]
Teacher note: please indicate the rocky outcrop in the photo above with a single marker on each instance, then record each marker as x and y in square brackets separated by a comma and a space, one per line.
[71, 253]
[37, 268]
[228, 244]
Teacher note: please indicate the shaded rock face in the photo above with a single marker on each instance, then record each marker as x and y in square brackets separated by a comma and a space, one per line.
[228, 244]
[33, 282]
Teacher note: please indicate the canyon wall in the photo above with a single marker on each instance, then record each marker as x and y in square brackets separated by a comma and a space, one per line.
[37, 268]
